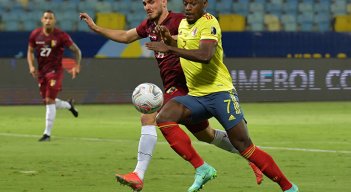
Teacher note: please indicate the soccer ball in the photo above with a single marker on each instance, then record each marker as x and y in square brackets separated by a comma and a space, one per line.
[147, 98]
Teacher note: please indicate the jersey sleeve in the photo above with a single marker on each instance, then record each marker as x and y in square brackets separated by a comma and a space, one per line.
[210, 29]
[141, 29]
[67, 40]
[31, 41]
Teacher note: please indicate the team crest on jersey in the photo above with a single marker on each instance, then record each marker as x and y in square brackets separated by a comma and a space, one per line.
[171, 90]
[213, 30]
[53, 43]
[52, 82]
[193, 33]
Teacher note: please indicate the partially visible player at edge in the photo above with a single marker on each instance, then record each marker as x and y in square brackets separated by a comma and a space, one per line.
[174, 85]
[48, 43]
[211, 91]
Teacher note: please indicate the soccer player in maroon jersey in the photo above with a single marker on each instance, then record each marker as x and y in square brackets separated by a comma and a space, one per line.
[174, 85]
[47, 44]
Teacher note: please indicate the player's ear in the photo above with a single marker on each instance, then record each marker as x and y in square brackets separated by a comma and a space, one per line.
[205, 3]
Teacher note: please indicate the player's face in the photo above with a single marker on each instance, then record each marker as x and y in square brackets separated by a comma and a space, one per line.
[48, 20]
[194, 9]
[154, 8]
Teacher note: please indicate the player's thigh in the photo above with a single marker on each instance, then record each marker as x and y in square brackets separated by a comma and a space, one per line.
[198, 113]
[53, 84]
[42, 86]
[225, 108]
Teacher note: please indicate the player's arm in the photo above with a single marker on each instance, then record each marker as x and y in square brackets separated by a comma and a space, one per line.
[204, 54]
[121, 36]
[78, 57]
[30, 60]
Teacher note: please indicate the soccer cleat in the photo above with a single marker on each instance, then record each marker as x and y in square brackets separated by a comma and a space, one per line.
[132, 180]
[258, 173]
[45, 137]
[73, 110]
[203, 174]
[294, 188]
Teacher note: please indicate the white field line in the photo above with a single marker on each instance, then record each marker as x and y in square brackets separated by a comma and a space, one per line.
[197, 142]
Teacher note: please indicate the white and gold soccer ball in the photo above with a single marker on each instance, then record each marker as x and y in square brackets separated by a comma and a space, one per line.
[147, 98]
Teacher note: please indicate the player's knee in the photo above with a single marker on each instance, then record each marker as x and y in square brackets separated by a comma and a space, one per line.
[160, 118]
[171, 112]
[148, 119]
[49, 101]
[207, 135]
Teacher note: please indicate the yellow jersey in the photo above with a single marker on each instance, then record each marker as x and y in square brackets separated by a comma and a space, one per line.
[203, 79]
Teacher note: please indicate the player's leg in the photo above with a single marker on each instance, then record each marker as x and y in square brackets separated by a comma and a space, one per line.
[239, 137]
[50, 116]
[230, 115]
[204, 132]
[56, 85]
[175, 112]
[50, 86]
[61, 104]
[147, 143]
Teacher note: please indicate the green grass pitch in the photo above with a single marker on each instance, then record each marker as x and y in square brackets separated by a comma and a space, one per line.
[311, 142]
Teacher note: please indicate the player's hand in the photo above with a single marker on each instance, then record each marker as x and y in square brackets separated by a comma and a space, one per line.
[75, 71]
[88, 20]
[157, 46]
[33, 71]
[165, 35]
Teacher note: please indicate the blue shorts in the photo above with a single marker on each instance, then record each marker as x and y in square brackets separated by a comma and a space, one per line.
[224, 106]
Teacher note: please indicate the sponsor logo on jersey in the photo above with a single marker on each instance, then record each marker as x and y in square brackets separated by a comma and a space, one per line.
[40, 42]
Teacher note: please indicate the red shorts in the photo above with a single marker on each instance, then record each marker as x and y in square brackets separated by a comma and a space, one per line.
[181, 91]
[50, 84]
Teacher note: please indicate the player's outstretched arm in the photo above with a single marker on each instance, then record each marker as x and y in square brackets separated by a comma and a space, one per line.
[204, 54]
[121, 36]
[78, 57]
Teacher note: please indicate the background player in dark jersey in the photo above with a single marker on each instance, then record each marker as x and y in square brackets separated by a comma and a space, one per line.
[174, 85]
[48, 43]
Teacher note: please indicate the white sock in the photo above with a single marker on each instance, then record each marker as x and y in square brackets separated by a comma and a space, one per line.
[146, 147]
[60, 104]
[222, 141]
[50, 117]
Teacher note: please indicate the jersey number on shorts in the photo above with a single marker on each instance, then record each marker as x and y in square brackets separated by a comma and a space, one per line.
[235, 105]
[45, 51]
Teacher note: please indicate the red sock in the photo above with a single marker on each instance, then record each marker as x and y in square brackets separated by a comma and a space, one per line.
[180, 143]
[267, 165]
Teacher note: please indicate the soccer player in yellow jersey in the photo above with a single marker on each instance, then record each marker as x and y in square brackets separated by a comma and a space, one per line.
[211, 92]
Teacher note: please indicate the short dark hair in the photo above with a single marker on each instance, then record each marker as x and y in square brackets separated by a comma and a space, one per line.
[49, 11]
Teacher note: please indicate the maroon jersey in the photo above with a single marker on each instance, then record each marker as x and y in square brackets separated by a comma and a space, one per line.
[169, 64]
[49, 48]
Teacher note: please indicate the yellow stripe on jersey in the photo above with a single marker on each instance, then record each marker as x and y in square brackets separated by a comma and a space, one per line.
[203, 79]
